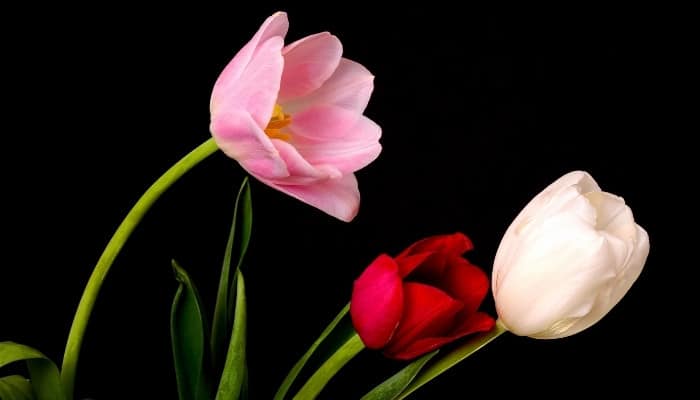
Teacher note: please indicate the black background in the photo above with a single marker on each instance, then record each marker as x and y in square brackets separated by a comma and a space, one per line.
[480, 111]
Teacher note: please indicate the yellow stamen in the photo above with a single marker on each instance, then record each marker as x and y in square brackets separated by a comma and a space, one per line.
[278, 122]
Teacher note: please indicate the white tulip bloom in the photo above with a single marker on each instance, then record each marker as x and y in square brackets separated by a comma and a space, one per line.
[569, 256]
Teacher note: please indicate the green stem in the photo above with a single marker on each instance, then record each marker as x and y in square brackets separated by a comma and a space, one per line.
[330, 367]
[294, 372]
[460, 353]
[87, 301]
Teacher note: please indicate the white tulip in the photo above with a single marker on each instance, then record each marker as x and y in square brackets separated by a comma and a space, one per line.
[569, 256]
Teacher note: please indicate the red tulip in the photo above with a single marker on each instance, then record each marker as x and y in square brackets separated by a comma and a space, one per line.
[426, 297]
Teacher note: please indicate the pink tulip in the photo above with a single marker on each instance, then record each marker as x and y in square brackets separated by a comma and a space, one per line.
[292, 117]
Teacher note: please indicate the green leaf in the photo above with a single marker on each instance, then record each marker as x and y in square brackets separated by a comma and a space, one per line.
[244, 202]
[315, 384]
[225, 297]
[449, 360]
[45, 380]
[15, 387]
[392, 387]
[234, 374]
[244, 388]
[188, 334]
[294, 372]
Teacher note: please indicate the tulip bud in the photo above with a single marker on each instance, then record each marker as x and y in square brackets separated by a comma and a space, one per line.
[569, 256]
[420, 300]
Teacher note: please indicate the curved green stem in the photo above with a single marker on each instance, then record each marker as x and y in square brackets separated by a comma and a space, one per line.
[330, 367]
[294, 372]
[87, 301]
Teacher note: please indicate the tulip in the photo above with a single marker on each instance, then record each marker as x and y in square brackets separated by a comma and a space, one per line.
[292, 117]
[424, 298]
[569, 256]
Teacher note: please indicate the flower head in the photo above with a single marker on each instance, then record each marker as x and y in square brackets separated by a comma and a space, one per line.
[569, 256]
[292, 117]
[424, 298]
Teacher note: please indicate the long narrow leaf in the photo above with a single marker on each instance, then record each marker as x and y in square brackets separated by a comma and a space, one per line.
[244, 387]
[15, 387]
[222, 311]
[43, 373]
[449, 360]
[188, 331]
[12, 352]
[392, 387]
[294, 372]
[244, 203]
[234, 373]
[333, 364]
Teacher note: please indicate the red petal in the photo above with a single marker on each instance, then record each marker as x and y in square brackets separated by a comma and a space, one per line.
[428, 311]
[377, 302]
[441, 248]
[478, 322]
[465, 282]
[410, 262]
[456, 243]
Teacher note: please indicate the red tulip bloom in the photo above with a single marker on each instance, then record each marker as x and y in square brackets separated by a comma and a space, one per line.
[426, 297]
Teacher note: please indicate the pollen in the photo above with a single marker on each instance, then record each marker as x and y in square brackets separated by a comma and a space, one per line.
[280, 120]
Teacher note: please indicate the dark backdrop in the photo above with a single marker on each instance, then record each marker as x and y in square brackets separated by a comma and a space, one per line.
[480, 111]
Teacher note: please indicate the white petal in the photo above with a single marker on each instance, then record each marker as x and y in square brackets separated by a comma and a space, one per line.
[556, 271]
[567, 259]
[564, 193]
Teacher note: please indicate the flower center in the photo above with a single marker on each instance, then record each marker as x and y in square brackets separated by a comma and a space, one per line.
[278, 121]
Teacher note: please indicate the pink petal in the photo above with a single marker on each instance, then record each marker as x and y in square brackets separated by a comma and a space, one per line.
[349, 87]
[377, 302]
[240, 138]
[337, 197]
[427, 312]
[301, 172]
[323, 123]
[465, 282]
[335, 136]
[256, 89]
[252, 82]
[308, 63]
[478, 322]
[275, 25]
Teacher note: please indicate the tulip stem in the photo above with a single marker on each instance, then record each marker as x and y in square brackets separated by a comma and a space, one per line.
[294, 372]
[329, 368]
[437, 367]
[127, 226]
